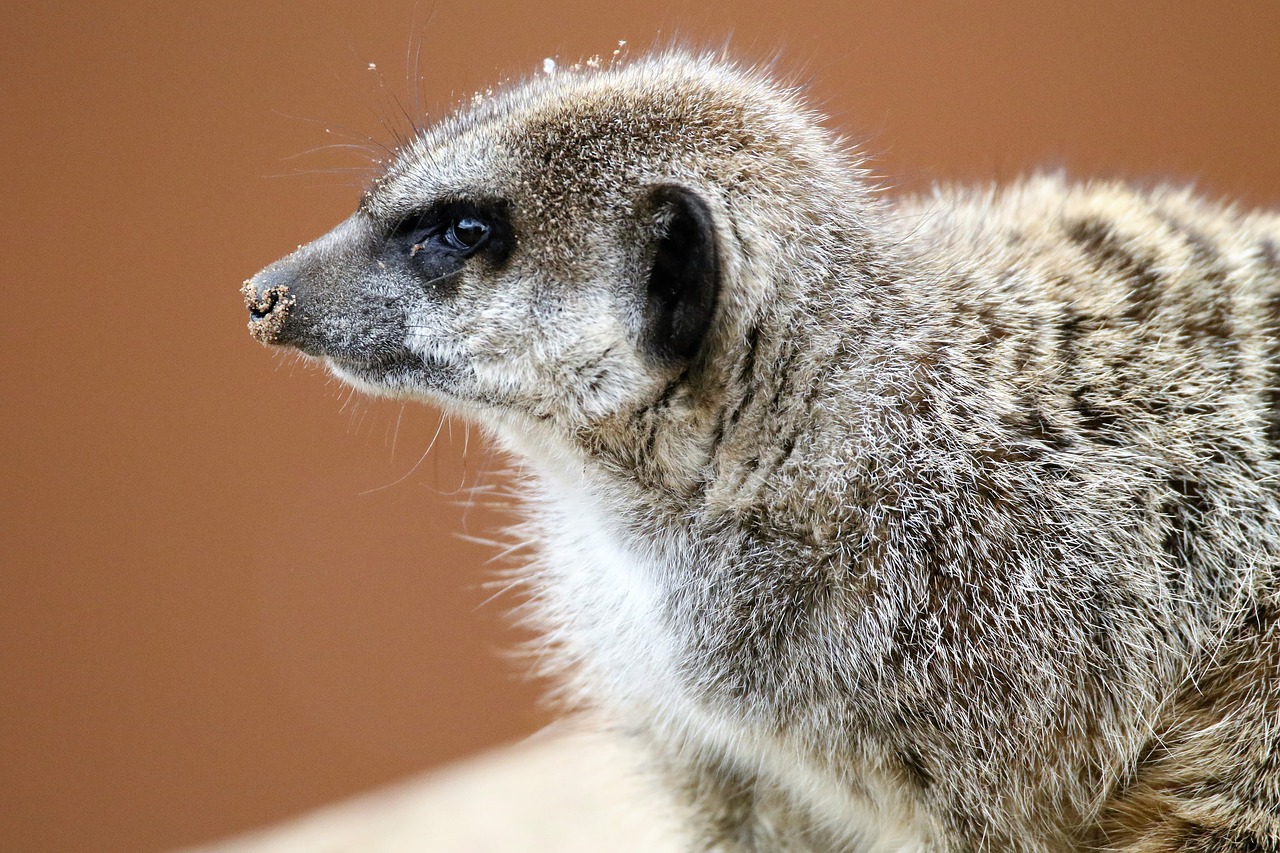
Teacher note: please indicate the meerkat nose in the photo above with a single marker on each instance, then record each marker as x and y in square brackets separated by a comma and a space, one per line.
[269, 301]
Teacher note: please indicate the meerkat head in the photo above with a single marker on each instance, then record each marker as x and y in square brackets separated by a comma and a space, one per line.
[565, 251]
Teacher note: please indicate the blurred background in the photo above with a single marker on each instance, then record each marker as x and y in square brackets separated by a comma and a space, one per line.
[232, 592]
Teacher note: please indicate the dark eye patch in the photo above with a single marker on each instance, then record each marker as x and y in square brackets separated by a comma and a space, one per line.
[436, 243]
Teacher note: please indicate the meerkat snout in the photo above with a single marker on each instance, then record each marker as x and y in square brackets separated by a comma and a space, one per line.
[937, 524]
[331, 299]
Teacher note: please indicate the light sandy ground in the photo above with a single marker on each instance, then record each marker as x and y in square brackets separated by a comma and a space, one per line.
[561, 793]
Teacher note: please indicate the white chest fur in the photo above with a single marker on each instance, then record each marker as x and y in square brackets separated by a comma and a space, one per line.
[612, 599]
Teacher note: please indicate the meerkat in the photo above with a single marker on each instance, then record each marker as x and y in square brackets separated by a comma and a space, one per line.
[946, 523]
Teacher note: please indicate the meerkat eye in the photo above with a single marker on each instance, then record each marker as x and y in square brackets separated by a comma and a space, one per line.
[439, 241]
[466, 233]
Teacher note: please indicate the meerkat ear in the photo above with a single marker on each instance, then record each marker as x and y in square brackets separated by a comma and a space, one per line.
[680, 297]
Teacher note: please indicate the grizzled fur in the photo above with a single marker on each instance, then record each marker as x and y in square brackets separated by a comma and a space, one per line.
[944, 524]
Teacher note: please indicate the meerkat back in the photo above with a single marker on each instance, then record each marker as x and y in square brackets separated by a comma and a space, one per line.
[925, 524]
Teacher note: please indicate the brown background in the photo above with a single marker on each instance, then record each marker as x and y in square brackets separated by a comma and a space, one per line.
[230, 591]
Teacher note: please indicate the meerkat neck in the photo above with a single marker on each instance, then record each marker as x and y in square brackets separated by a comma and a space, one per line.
[831, 317]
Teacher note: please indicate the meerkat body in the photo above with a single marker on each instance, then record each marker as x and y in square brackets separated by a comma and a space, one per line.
[941, 524]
